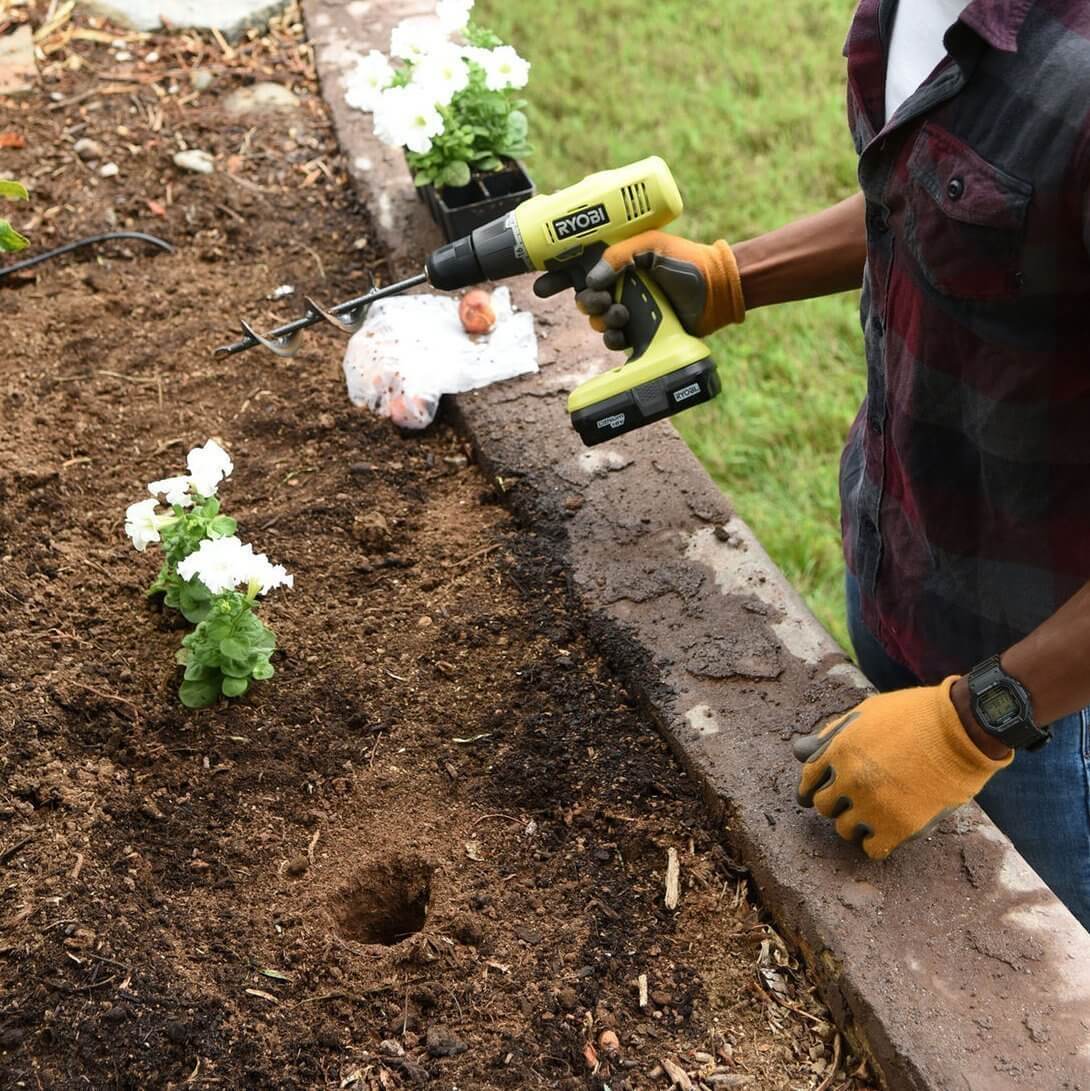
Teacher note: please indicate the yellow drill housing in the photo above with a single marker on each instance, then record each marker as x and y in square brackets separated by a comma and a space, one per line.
[605, 208]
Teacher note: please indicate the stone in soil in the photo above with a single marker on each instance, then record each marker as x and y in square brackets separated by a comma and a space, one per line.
[86, 148]
[443, 1042]
[259, 97]
[18, 72]
[195, 160]
[231, 17]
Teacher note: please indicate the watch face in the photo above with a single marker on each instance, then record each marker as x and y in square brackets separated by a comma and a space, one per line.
[998, 705]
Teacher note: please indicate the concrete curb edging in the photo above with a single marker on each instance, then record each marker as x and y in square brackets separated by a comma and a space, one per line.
[951, 964]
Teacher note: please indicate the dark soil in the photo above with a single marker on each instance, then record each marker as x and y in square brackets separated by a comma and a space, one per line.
[432, 849]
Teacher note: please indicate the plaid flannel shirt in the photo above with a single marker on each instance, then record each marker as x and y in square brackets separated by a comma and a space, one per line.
[965, 483]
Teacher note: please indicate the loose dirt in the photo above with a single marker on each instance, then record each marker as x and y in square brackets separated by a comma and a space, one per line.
[433, 848]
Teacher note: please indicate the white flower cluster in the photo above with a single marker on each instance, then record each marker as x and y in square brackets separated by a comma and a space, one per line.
[222, 564]
[409, 115]
[208, 466]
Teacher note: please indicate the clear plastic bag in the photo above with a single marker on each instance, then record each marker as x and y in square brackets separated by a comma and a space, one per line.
[412, 349]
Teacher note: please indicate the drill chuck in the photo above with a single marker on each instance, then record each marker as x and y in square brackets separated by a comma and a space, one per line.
[491, 252]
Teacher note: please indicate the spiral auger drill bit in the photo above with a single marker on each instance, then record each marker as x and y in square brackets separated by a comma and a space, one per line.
[346, 318]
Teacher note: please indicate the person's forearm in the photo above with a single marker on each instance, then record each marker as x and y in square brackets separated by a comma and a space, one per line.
[1051, 663]
[815, 256]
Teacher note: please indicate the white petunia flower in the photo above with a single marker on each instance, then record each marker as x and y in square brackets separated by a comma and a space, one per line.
[413, 38]
[441, 74]
[407, 116]
[453, 14]
[143, 523]
[208, 466]
[364, 84]
[475, 53]
[174, 489]
[504, 68]
[267, 575]
[387, 117]
[222, 564]
[219, 563]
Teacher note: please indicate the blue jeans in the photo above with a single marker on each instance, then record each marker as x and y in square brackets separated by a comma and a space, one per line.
[1041, 801]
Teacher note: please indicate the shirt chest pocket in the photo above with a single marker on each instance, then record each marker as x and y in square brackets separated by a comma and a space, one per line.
[964, 219]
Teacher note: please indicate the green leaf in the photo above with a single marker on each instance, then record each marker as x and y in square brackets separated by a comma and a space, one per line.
[222, 526]
[181, 656]
[262, 670]
[517, 127]
[233, 648]
[13, 190]
[457, 173]
[235, 668]
[196, 672]
[489, 162]
[199, 694]
[217, 629]
[235, 687]
[193, 612]
[10, 239]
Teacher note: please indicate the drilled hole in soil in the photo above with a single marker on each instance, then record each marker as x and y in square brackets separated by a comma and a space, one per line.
[385, 903]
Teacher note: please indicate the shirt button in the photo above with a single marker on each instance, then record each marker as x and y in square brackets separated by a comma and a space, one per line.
[955, 188]
[875, 425]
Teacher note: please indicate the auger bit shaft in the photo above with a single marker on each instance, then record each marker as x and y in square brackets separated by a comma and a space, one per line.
[346, 318]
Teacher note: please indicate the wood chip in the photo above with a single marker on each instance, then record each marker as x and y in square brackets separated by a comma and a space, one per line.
[673, 879]
[590, 1055]
[263, 995]
[676, 1073]
[275, 974]
[641, 984]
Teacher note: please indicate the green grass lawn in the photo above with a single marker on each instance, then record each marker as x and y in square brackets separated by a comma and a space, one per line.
[745, 101]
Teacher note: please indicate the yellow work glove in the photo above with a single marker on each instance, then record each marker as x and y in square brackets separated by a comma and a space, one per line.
[701, 282]
[893, 767]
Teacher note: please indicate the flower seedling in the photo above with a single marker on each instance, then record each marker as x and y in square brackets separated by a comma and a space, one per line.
[451, 105]
[204, 565]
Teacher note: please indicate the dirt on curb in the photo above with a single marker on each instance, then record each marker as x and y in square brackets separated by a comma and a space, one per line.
[433, 849]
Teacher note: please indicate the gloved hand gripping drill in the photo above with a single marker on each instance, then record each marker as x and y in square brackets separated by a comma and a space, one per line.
[701, 282]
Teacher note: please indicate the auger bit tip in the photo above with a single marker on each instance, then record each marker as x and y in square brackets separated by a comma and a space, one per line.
[284, 345]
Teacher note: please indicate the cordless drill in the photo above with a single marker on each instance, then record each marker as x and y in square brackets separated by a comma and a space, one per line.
[667, 369]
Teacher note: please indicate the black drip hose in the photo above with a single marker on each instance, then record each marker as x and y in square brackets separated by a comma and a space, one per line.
[68, 247]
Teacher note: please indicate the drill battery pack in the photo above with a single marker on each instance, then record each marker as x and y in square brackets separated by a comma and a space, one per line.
[647, 402]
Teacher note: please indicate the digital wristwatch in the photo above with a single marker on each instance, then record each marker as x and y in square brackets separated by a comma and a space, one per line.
[1003, 707]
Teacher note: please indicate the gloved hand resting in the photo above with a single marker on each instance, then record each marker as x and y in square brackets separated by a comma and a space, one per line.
[893, 767]
[701, 282]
